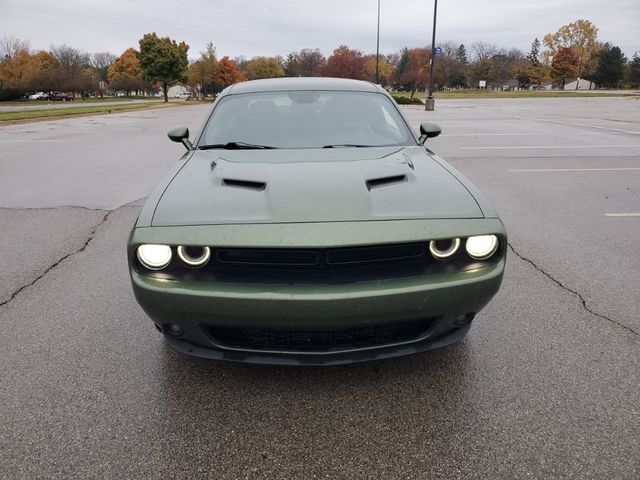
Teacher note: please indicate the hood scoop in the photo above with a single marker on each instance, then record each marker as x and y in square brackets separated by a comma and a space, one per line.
[385, 181]
[246, 184]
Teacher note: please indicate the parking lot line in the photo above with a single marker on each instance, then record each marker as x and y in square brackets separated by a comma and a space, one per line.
[31, 141]
[520, 134]
[621, 169]
[539, 147]
[580, 125]
[622, 214]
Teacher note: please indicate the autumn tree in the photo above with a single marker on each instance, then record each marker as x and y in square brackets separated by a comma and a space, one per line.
[21, 71]
[13, 69]
[611, 65]
[345, 63]
[305, 63]
[564, 65]
[581, 37]
[87, 82]
[385, 70]
[264, 67]
[42, 72]
[125, 73]
[411, 70]
[227, 73]
[201, 73]
[163, 60]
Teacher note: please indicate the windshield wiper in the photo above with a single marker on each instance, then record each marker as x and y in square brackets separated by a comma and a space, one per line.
[354, 145]
[235, 146]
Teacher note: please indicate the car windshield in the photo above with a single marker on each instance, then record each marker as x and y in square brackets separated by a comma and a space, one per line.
[305, 119]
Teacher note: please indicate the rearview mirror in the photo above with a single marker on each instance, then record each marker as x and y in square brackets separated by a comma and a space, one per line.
[428, 130]
[180, 135]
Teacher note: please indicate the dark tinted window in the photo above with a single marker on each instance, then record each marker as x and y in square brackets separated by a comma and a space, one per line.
[307, 119]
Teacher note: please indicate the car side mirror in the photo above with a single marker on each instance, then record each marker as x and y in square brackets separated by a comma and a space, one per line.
[429, 130]
[180, 135]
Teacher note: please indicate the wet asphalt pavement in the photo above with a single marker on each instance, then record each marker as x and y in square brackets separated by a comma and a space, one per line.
[544, 386]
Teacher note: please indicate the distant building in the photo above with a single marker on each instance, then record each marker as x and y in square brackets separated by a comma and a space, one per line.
[583, 84]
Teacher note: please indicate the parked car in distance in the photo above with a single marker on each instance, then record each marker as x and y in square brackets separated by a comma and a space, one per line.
[307, 224]
[39, 96]
[63, 97]
[185, 95]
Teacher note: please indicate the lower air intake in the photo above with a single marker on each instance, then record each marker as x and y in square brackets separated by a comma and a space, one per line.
[320, 340]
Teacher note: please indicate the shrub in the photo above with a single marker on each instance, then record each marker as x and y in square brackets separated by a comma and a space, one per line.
[9, 94]
[402, 100]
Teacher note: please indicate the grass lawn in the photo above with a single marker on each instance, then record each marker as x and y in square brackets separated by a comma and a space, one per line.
[79, 110]
[31, 103]
[477, 93]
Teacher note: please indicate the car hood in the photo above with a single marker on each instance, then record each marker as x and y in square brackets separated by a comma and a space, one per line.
[312, 185]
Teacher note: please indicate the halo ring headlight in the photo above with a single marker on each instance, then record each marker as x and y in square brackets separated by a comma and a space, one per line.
[443, 254]
[481, 247]
[187, 255]
[154, 257]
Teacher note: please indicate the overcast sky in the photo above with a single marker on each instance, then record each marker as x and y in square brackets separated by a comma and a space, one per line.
[272, 27]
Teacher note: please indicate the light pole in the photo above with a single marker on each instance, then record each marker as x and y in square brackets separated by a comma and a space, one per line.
[430, 102]
[378, 48]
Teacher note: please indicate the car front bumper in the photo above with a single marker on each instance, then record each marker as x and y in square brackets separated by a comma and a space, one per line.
[446, 302]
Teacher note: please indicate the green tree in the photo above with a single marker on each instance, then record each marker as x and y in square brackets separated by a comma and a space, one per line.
[264, 67]
[461, 55]
[610, 70]
[534, 54]
[163, 60]
[633, 71]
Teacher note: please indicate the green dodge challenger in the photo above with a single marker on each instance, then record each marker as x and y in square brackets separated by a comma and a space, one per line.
[307, 224]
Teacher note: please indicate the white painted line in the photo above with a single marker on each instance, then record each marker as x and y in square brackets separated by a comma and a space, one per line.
[581, 125]
[622, 214]
[629, 169]
[549, 147]
[492, 134]
[523, 134]
[31, 141]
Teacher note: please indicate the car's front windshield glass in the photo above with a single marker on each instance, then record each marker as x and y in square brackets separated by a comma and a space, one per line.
[305, 119]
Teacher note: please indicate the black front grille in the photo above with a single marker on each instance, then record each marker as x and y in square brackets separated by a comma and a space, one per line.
[320, 340]
[319, 266]
[319, 257]
[375, 253]
[267, 256]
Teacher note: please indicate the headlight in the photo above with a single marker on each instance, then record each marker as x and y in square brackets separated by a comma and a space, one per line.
[194, 256]
[442, 249]
[154, 257]
[482, 246]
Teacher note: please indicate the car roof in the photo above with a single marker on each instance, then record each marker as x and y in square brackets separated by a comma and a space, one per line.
[301, 83]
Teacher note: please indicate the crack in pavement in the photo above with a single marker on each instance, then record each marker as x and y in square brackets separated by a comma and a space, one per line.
[564, 287]
[90, 237]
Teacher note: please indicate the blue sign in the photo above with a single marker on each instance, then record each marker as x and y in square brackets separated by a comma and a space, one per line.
[437, 51]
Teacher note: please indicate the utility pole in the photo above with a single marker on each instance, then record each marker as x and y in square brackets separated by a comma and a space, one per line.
[430, 102]
[378, 48]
